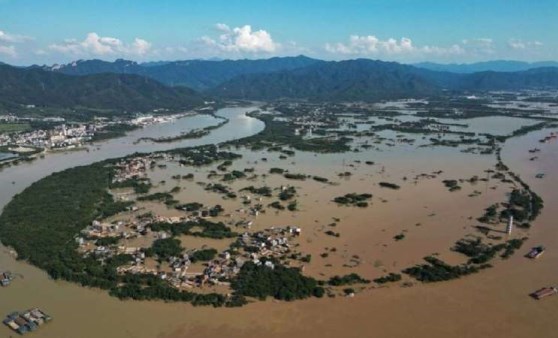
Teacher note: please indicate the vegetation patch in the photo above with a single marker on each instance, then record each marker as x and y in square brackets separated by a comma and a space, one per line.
[399, 237]
[262, 191]
[436, 270]
[287, 193]
[166, 248]
[349, 279]
[320, 179]
[452, 185]
[284, 134]
[353, 199]
[208, 229]
[480, 253]
[391, 277]
[279, 282]
[389, 185]
[292, 176]
[203, 255]
[14, 127]
[524, 205]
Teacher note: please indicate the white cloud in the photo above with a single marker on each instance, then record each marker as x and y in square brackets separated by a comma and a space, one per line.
[8, 51]
[520, 44]
[222, 27]
[140, 46]
[96, 45]
[241, 40]
[484, 42]
[13, 38]
[372, 45]
[405, 49]
[480, 47]
[173, 50]
[7, 41]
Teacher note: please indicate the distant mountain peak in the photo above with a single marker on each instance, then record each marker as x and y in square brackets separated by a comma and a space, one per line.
[196, 74]
[484, 66]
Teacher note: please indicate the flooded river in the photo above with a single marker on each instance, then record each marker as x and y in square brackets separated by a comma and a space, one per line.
[494, 303]
[5, 156]
[17, 178]
[33, 287]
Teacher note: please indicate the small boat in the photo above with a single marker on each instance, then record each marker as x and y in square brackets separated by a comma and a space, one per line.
[539, 175]
[544, 292]
[6, 278]
[536, 252]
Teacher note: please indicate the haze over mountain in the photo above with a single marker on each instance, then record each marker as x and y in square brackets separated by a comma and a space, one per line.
[124, 92]
[495, 66]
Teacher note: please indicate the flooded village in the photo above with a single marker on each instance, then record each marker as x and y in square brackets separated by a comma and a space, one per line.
[193, 219]
[278, 169]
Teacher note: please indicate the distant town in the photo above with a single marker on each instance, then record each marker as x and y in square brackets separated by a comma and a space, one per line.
[26, 136]
[68, 135]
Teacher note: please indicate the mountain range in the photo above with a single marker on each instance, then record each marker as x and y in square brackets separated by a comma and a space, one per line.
[487, 66]
[122, 92]
[304, 77]
[196, 74]
[369, 80]
[129, 86]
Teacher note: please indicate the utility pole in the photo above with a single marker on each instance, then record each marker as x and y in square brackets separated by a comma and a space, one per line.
[509, 228]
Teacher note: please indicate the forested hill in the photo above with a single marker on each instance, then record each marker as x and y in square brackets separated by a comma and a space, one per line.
[370, 80]
[119, 92]
[344, 80]
[546, 77]
[130, 86]
[195, 74]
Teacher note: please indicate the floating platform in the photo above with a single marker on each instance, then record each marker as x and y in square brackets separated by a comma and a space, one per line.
[544, 292]
[27, 321]
[536, 252]
[6, 278]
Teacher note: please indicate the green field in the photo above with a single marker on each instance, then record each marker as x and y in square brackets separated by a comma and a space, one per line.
[14, 127]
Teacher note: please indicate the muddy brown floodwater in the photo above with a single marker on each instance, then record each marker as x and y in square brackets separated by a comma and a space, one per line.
[493, 303]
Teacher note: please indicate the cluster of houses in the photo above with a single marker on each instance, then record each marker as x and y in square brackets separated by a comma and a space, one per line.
[145, 120]
[61, 136]
[103, 240]
[65, 135]
[136, 167]
[273, 242]
[101, 230]
[127, 230]
[133, 168]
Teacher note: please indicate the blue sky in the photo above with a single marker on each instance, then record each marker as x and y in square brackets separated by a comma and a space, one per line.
[55, 31]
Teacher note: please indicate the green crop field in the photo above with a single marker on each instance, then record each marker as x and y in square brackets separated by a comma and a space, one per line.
[14, 127]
